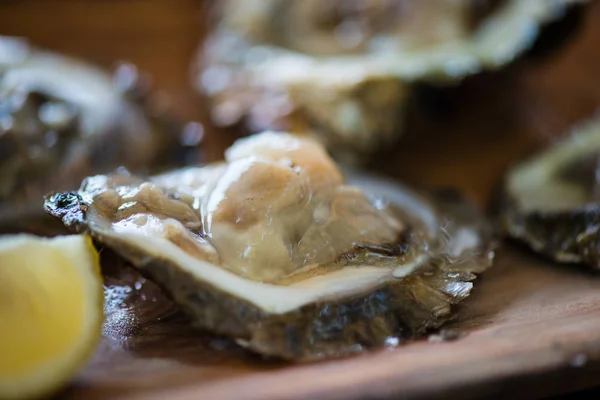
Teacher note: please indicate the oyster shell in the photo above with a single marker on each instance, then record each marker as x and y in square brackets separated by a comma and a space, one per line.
[62, 119]
[343, 69]
[551, 201]
[274, 248]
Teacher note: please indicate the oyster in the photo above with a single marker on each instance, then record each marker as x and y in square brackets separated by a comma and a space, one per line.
[274, 248]
[551, 202]
[343, 69]
[62, 119]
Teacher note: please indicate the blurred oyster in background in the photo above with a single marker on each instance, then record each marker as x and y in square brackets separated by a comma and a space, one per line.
[342, 69]
[551, 201]
[62, 119]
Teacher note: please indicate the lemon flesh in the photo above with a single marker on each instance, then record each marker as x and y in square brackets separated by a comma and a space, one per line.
[50, 311]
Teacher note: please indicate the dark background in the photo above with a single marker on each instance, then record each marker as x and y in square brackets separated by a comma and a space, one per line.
[465, 138]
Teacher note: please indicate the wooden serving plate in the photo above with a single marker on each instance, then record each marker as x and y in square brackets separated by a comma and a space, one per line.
[532, 328]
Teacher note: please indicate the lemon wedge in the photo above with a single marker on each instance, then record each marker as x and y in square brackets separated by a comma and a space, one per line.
[51, 315]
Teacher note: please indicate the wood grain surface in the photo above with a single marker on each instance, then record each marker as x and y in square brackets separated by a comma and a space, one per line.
[532, 328]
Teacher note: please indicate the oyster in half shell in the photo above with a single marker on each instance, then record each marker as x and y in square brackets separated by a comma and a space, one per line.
[551, 202]
[275, 248]
[342, 69]
[62, 120]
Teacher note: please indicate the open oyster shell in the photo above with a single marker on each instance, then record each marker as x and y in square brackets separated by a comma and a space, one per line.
[62, 119]
[273, 247]
[342, 69]
[551, 201]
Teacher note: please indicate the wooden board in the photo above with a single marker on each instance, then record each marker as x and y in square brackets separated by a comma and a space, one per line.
[533, 328]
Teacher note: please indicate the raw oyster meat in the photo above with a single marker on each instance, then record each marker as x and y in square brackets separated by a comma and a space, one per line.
[343, 69]
[551, 201]
[62, 120]
[275, 248]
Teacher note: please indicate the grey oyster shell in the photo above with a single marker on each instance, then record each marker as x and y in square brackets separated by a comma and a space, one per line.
[62, 119]
[344, 70]
[551, 201]
[369, 295]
